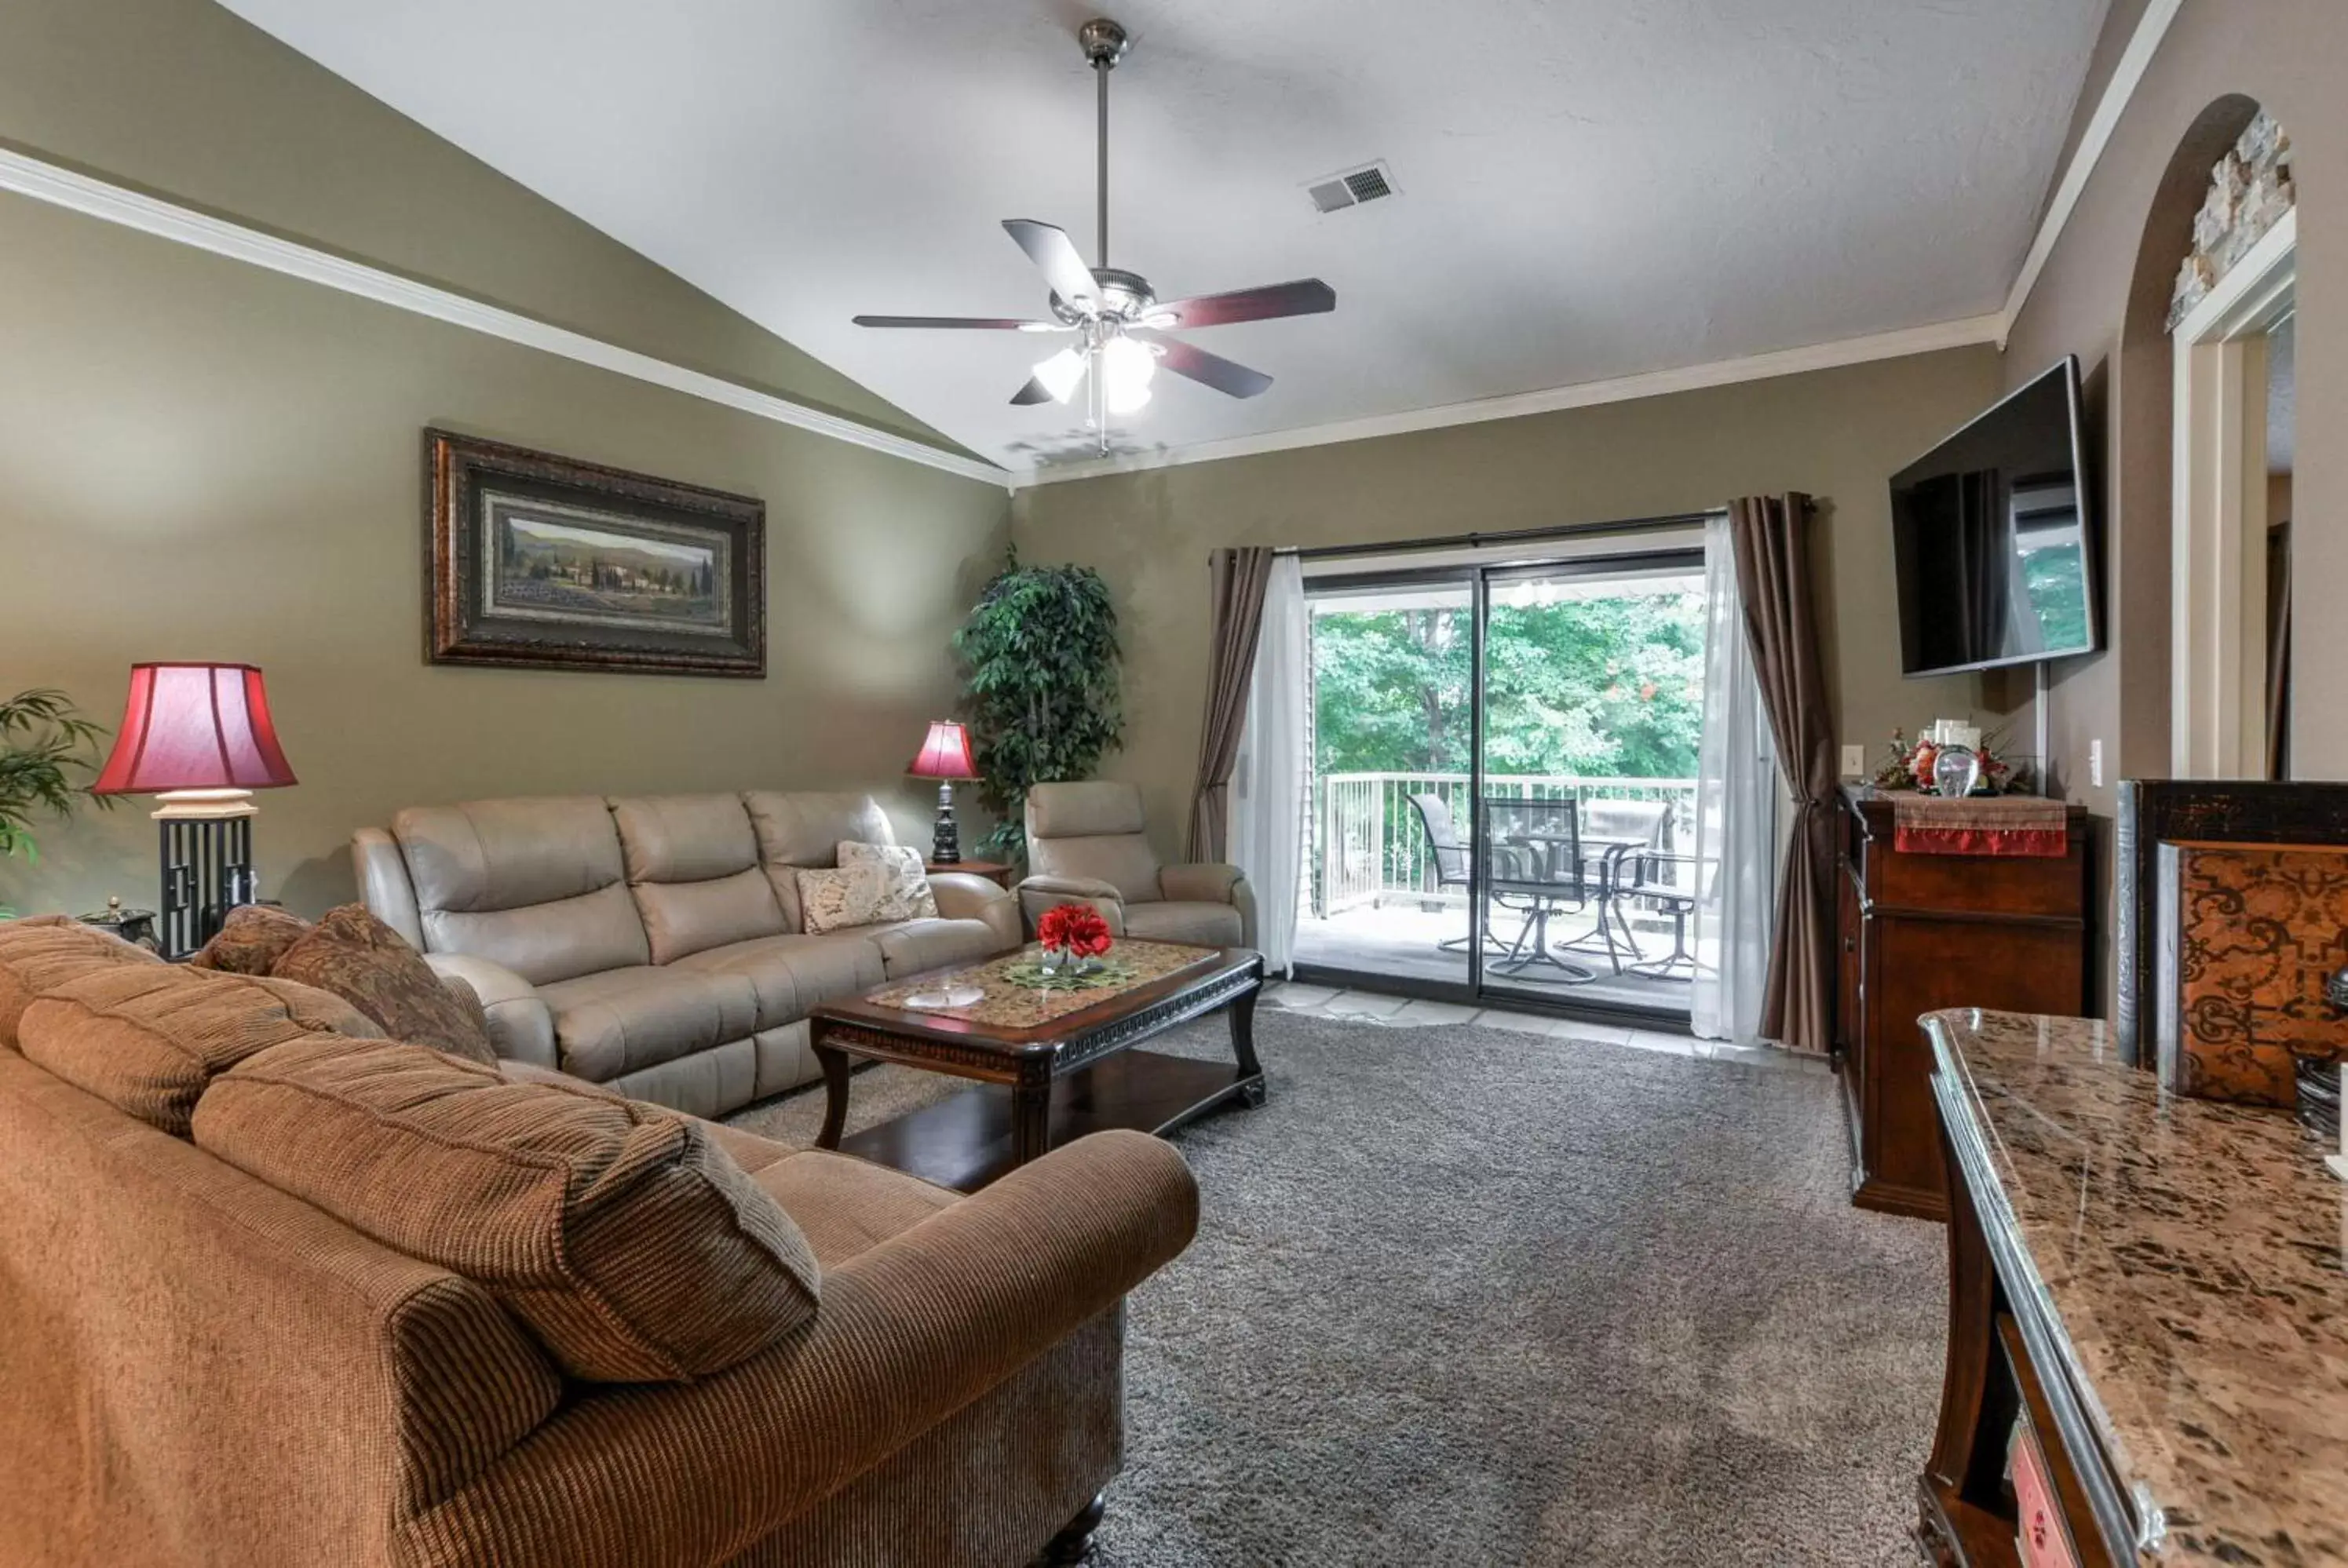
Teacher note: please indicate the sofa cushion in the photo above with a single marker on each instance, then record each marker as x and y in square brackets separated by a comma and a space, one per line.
[909, 896]
[844, 1205]
[806, 828]
[694, 870]
[909, 946]
[147, 1037]
[45, 950]
[251, 938]
[535, 885]
[620, 1020]
[1087, 809]
[1208, 925]
[370, 966]
[627, 1240]
[792, 976]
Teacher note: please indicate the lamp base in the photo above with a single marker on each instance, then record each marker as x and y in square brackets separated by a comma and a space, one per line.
[207, 848]
[945, 839]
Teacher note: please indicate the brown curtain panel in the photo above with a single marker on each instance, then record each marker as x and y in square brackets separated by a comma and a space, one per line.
[1773, 577]
[1239, 578]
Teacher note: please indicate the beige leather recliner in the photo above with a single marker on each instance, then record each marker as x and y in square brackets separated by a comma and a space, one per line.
[1086, 845]
[655, 943]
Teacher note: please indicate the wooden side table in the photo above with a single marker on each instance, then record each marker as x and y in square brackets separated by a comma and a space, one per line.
[995, 871]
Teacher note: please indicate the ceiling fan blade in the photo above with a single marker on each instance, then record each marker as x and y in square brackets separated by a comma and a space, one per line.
[1034, 392]
[1207, 369]
[1055, 256]
[984, 324]
[1303, 297]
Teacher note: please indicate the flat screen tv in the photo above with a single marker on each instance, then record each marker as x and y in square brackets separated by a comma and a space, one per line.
[1993, 537]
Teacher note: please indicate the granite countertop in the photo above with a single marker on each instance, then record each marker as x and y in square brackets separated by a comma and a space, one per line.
[2192, 1252]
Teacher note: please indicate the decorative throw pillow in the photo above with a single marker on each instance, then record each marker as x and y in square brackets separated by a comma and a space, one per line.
[251, 940]
[631, 1244]
[836, 900]
[909, 884]
[148, 1038]
[369, 965]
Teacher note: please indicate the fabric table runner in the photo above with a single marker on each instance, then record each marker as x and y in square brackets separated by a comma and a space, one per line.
[2007, 825]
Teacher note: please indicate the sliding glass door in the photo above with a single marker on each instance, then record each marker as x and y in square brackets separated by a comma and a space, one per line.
[1504, 772]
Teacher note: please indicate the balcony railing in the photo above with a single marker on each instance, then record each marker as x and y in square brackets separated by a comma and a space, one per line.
[1370, 846]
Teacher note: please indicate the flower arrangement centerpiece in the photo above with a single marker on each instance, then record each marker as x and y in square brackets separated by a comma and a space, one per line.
[1073, 942]
[1075, 938]
[1913, 764]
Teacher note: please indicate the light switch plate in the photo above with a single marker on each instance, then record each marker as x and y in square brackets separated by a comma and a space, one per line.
[2095, 763]
[1854, 762]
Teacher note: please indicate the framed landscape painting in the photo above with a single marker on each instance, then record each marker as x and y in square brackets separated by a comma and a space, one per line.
[545, 560]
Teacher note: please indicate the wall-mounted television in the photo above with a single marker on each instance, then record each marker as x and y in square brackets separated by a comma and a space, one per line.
[1993, 537]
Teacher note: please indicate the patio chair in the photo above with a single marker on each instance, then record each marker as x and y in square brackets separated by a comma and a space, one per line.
[1535, 866]
[1453, 867]
[1672, 882]
[1615, 831]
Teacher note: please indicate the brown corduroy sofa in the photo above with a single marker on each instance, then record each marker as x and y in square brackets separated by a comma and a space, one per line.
[196, 1367]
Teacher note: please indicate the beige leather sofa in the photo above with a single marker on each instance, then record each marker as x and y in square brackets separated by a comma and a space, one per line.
[1086, 845]
[654, 943]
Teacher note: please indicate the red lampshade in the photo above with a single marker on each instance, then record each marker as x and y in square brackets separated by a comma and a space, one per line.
[194, 726]
[945, 754]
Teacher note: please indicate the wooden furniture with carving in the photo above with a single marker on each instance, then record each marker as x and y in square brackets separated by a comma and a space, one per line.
[1043, 1086]
[1915, 933]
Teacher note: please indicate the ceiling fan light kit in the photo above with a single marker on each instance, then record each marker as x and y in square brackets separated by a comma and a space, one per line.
[1119, 322]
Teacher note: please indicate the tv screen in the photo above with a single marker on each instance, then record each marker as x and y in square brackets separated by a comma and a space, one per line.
[1992, 540]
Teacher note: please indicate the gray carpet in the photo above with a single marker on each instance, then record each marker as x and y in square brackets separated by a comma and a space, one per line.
[1461, 1295]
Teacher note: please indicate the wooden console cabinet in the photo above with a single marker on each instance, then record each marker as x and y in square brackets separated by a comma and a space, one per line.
[1916, 933]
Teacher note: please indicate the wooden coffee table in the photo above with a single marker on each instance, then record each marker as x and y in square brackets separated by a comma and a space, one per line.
[1043, 1085]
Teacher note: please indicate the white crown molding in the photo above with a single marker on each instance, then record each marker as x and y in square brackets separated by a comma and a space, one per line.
[2126, 76]
[99, 198]
[1965, 333]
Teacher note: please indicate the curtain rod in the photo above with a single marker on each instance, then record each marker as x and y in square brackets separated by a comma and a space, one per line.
[1511, 536]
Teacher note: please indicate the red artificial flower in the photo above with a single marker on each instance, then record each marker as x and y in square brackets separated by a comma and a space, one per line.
[1076, 928]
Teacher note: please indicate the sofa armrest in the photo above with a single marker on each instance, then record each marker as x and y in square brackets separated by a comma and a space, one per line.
[384, 885]
[520, 1026]
[1039, 894]
[909, 1331]
[1205, 883]
[962, 896]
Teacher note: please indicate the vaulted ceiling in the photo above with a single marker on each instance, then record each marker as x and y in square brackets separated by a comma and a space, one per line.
[1589, 188]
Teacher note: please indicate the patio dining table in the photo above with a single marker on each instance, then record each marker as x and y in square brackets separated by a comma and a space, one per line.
[1605, 852]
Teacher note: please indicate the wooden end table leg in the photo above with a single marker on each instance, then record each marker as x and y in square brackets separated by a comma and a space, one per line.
[835, 1095]
[1242, 1020]
[1031, 1121]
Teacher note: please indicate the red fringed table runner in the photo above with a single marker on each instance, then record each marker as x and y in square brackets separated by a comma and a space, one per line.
[2012, 824]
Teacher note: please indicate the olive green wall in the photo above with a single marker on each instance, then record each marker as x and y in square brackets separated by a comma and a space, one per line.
[203, 460]
[2101, 297]
[1837, 433]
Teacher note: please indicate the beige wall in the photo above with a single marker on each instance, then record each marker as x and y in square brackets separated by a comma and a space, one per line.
[1838, 434]
[198, 459]
[2094, 301]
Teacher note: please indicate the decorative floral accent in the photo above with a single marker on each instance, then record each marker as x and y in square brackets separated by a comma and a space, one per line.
[1077, 930]
[1909, 765]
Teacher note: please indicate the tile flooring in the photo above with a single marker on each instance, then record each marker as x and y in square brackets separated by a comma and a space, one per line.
[1375, 1006]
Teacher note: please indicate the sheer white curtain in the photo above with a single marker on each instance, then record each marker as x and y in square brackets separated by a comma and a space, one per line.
[1736, 810]
[1268, 783]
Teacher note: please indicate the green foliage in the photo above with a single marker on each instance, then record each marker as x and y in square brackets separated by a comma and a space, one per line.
[1610, 685]
[1041, 652]
[44, 743]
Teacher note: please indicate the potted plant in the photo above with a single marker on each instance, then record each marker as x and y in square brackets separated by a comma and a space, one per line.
[1041, 652]
[45, 743]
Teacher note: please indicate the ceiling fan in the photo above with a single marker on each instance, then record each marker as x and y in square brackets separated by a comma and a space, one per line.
[1118, 321]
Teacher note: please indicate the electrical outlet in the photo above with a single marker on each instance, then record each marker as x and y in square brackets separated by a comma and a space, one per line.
[1854, 762]
[2095, 763]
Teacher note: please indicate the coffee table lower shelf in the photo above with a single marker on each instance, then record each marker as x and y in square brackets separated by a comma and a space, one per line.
[964, 1142]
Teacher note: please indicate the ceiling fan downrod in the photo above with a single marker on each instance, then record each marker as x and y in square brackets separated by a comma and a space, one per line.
[1105, 44]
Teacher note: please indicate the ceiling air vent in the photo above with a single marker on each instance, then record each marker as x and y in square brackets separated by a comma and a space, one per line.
[1352, 188]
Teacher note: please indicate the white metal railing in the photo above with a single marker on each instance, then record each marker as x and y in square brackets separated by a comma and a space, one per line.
[1369, 843]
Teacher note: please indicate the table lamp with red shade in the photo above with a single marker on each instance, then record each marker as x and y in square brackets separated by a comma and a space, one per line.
[945, 757]
[199, 738]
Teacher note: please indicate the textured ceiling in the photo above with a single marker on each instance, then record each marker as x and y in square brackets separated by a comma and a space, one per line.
[1590, 189]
